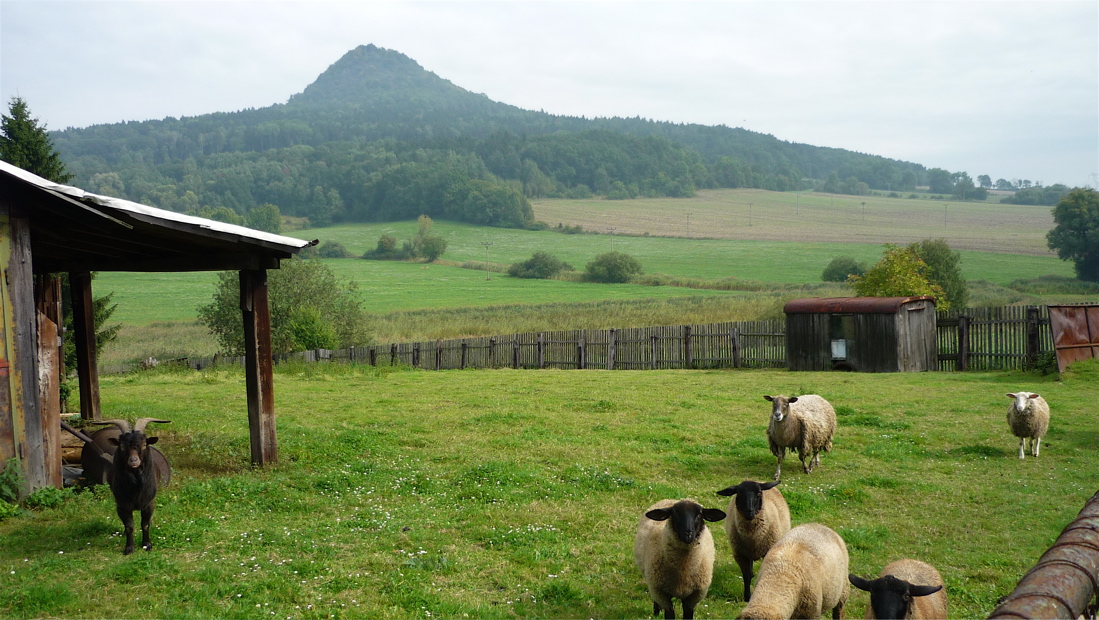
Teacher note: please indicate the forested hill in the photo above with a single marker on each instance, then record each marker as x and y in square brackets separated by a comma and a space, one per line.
[377, 137]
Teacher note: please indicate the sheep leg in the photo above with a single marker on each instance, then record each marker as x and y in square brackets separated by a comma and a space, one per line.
[1022, 441]
[146, 521]
[778, 471]
[127, 517]
[689, 604]
[663, 602]
[746, 570]
[1036, 442]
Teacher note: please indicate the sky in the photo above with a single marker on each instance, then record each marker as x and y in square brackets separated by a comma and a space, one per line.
[1007, 89]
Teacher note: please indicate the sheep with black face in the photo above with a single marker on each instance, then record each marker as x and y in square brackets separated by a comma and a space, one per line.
[133, 478]
[675, 552]
[905, 589]
[757, 518]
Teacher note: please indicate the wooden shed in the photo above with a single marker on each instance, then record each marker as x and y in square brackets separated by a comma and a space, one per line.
[864, 334]
[47, 229]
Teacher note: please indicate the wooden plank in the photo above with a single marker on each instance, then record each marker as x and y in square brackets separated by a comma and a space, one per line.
[87, 366]
[49, 378]
[24, 362]
[258, 366]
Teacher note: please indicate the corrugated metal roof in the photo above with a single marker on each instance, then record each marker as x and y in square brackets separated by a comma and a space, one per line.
[151, 212]
[828, 305]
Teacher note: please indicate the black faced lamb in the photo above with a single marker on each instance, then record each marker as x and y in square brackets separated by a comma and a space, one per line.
[905, 589]
[133, 478]
[757, 517]
[675, 552]
[804, 424]
[1028, 418]
[802, 576]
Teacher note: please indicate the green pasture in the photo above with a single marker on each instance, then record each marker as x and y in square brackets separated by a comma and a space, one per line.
[516, 494]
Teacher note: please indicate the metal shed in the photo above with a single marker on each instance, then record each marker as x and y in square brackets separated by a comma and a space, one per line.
[47, 229]
[864, 334]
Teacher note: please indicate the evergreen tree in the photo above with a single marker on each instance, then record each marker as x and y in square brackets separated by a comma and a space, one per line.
[25, 144]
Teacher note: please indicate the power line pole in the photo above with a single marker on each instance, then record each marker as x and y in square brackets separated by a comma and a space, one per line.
[488, 276]
[688, 225]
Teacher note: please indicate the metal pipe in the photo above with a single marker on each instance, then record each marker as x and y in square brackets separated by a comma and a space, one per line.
[1065, 579]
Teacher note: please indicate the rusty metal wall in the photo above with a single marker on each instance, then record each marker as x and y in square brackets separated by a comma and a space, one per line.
[1075, 333]
[1066, 577]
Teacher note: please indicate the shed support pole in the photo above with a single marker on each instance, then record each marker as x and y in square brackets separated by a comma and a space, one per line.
[258, 366]
[87, 364]
[21, 373]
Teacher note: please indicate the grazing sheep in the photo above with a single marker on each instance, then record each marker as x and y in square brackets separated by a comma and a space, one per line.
[802, 423]
[802, 576]
[905, 589]
[757, 517]
[675, 552]
[133, 478]
[1028, 417]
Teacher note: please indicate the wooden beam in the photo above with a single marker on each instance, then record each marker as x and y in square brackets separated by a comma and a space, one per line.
[87, 365]
[24, 361]
[258, 366]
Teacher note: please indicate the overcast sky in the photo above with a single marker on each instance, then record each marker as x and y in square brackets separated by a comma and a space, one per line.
[1007, 89]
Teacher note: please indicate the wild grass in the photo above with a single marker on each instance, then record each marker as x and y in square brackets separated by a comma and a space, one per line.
[504, 494]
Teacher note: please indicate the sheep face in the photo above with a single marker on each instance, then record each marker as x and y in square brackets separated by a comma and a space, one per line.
[132, 449]
[891, 597]
[1022, 400]
[749, 497]
[780, 406]
[687, 519]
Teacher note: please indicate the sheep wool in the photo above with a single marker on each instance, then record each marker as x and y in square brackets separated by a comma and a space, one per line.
[805, 424]
[802, 576]
[1028, 418]
[910, 583]
[757, 518]
[674, 551]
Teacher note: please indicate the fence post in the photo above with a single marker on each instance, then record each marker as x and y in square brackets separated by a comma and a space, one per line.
[734, 336]
[393, 354]
[963, 342]
[416, 355]
[652, 357]
[515, 351]
[492, 352]
[580, 357]
[688, 352]
[541, 350]
[1033, 342]
[465, 348]
[373, 356]
[438, 354]
[612, 346]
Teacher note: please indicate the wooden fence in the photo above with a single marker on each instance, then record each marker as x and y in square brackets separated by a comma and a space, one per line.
[1010, 337]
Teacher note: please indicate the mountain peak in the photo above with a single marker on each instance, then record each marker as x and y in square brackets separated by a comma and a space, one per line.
[368, 72]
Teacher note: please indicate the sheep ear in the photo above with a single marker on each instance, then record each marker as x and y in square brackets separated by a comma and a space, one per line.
[769, 399]
[727, 491]
[151, 440]
[659, 514]
[923, 590]
[713, 514]
[793, 399]
[859, 582]
[769, 485]
[1033, 395]
[1011, 396]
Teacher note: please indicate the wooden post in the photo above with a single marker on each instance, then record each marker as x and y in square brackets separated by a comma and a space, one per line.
[580, 352]
[1033, 342]
[492, 352]
[652, 356]
[688, 352]
[515, 352]
[87, 366]
[541, 350]
[612, 348]
[734, 336]
[438, 354]
[465, 353]
[373, 356]
[258, 366]
[20, 325]
[963, 342]
[49, 360]
[393, 354]
[415, 354]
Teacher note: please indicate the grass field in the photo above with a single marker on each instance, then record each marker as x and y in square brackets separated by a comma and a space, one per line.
[515, 494]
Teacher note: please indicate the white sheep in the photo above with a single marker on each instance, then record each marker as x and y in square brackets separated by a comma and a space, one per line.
[805, 424]
[675, 552]
[905, 589]
[1028, 417]
[757, 517]
[802, 576]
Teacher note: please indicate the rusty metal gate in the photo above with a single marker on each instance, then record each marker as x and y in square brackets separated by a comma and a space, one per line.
[1075, 333]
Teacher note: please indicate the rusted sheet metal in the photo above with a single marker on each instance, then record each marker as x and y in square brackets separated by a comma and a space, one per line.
[1075, 333]
[828, 305]
[1066, 577]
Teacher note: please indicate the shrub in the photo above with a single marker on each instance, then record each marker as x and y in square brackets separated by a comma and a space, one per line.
[47, 497]
[900, 272]
[612, 267]
[11, 481]
[540, 265]
[332, 249]
[944, 270]
[430, 247]
[300, 285]
[840, 268]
